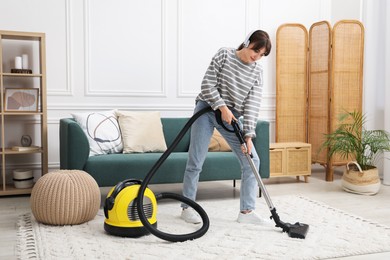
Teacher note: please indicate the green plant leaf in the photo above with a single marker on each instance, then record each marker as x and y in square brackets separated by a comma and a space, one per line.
[351, 140]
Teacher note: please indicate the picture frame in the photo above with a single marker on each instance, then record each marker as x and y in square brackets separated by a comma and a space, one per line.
[21, 99]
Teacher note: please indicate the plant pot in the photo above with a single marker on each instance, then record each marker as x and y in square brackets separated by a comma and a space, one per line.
[355, 180]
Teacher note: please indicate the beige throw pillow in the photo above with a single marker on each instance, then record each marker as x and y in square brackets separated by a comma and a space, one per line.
[141, 132]
[218, 143]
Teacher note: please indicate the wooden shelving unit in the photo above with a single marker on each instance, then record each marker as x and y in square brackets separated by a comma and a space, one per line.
[20, 121]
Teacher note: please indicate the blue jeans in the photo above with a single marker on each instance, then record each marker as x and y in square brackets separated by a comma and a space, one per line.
[201, 132]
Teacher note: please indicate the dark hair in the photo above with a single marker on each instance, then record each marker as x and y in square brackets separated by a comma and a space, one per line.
[261, 40]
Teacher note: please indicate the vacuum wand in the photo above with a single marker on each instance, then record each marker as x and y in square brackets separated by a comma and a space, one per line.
[240, 137]
[297, 230]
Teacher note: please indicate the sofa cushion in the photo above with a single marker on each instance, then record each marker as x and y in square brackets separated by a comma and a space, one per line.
[218, 143]
[108, 170]
[141, 132]
[102, 131]
[172, 127]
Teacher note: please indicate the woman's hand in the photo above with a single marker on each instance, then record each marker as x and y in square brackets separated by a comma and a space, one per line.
[249, 145]
[227, 115]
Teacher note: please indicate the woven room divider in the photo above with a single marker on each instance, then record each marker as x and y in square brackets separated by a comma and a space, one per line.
[291, 83]
[319, 87]
[334, 84]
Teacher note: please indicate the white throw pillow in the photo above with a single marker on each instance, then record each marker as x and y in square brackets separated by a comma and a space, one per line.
[102, 131]
[141, 132]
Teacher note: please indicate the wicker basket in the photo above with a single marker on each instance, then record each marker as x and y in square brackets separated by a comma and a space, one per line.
[359, 181]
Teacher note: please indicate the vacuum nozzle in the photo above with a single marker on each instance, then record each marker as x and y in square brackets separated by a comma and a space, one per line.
[298, 230]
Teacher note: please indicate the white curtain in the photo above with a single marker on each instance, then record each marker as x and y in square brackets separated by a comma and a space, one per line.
[376, 19]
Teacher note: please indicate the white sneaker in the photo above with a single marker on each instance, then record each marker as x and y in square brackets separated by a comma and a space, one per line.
[191, 216]
[253, 218]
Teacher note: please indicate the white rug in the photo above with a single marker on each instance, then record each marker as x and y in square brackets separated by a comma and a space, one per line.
[333, 233]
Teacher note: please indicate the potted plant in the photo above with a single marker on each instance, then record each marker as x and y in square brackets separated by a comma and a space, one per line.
[352, 141]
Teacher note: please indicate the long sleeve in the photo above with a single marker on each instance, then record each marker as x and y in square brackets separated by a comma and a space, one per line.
[209, 89]
[252, 106]
[228, 81]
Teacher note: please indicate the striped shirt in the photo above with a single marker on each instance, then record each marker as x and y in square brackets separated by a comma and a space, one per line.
[231, 82]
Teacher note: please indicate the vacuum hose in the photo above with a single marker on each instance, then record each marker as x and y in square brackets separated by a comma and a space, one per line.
[168, 195]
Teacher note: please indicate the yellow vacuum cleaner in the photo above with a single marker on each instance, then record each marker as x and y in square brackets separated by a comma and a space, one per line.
[120, 210]
[130, 207]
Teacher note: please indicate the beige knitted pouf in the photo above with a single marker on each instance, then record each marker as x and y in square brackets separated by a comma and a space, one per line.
[65, 197]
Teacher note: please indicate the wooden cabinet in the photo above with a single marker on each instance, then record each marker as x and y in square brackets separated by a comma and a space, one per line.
[23, 108]
[290, 159]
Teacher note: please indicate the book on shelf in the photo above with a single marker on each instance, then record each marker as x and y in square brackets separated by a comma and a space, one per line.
[24, 148]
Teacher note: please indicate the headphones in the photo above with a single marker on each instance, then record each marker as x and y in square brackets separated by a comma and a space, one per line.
[110, 200]
[247, 41]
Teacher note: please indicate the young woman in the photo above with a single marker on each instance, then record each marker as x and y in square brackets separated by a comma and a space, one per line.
[233, 84]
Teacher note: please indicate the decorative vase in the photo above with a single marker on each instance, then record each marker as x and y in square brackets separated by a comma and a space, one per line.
[355, 180]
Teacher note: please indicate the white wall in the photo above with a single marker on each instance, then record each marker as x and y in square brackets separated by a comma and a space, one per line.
[386, 86]
[376, 19]
[149, 54]
[346, 10]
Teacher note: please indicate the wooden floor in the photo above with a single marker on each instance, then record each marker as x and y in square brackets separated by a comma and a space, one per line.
[375, 208]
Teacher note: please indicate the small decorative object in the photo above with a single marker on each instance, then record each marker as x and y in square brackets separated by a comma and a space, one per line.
[353, 142]
[25, 61]
[25, 148]
[21, 65]
[23, 178]
[21, 99]
[25, 141]
[21, 71]
[18, 62]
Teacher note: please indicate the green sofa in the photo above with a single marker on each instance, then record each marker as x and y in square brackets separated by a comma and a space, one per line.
[109, 169]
